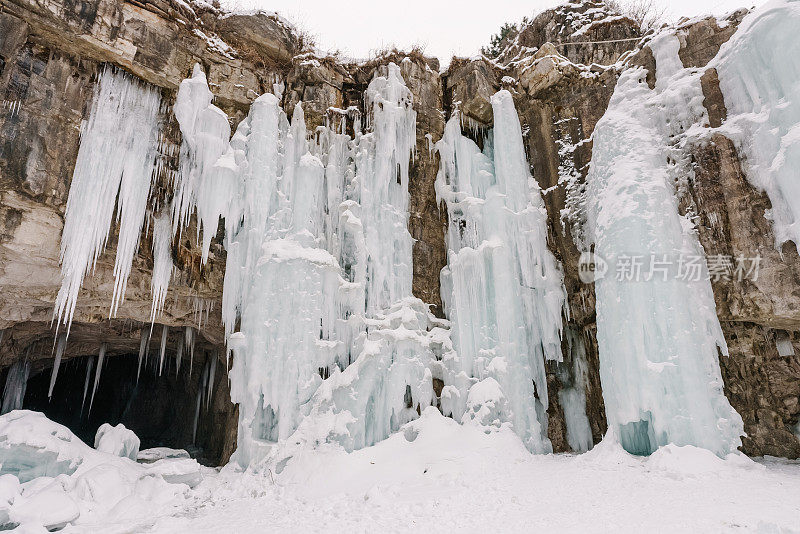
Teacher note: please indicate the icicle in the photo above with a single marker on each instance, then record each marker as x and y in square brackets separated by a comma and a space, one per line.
[178, 355]
[116, 160]
[89, 367]
[207, 178]
[329, 239]
[163, 352]
[143, 340]
[200, 389]
[162, 262]
[60, 346]
[212, 365]
[189, 336]
[100, 357]
[16, 384]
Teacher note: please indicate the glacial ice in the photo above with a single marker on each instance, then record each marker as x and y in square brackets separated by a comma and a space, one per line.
[759, 69]
[116, 161]
[658, 335]
[502, 288]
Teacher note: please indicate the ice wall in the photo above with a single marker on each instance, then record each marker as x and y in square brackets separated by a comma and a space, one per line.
[657, 328]
[116, 161]
[758, 71]
[502, 288]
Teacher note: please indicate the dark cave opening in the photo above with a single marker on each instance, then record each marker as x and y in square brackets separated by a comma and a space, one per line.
[161, 408]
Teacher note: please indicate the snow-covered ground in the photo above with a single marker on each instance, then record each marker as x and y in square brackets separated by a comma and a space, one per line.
[455, 478]
[434, 476]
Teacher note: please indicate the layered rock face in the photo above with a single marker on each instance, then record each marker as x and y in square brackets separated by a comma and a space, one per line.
[562, 81]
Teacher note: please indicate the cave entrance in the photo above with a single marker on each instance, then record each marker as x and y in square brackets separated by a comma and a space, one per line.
[175, 408]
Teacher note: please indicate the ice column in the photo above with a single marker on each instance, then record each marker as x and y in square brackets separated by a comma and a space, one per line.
[116, 160]
[502, 288]
[657, 329]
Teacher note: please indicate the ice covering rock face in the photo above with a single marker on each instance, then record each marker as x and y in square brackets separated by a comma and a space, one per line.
[502, 288]
[758, 71]
[657, 332]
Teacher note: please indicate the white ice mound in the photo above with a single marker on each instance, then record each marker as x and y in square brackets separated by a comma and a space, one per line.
[423, 451]
[49, 478]
[117, 440]
[177, 471]
[148, 456]
[687, 460]
[33, 446]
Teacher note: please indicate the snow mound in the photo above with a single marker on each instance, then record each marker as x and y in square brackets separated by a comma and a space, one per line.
[33, 446]
[117, 440]
[49, 478]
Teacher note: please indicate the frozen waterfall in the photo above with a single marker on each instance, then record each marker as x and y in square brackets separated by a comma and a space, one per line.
[502, 288]
[657, 328]
[318, 270]
[758, 70]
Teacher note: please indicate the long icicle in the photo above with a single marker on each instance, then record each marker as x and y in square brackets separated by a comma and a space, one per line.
[60, 346]
[212, 366]
[200, 389]
[164, 333]
[179, 355]
[100, 357]
[89, 367]
[189, 333]
[142, 349]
